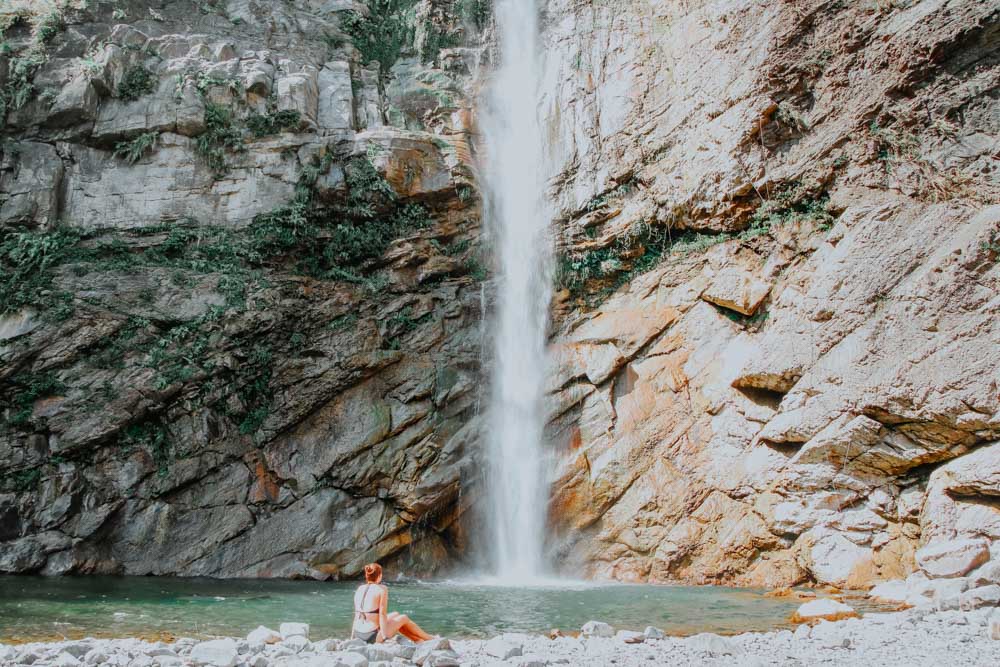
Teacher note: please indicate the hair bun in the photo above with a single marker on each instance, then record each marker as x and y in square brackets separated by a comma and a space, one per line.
[373, 572]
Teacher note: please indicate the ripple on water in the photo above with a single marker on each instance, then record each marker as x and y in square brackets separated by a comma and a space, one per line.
[142, 606]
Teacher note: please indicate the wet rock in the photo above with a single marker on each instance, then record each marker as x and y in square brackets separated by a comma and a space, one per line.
[825, 609]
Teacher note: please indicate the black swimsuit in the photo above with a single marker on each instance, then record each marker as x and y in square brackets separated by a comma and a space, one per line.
[370, 636]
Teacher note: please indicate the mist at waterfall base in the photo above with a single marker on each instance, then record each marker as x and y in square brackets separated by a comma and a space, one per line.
[517, 221]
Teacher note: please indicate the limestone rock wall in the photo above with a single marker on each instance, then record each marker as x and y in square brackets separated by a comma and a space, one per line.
[241, 305]
[777, 346]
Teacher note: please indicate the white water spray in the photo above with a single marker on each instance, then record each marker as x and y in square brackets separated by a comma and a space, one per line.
[517, 213]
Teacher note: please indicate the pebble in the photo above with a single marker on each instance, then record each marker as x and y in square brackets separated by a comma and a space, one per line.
[915, 636]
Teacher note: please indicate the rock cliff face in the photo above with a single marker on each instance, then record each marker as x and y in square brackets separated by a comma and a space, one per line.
[243, 288]
[241, 299]
[777, 343]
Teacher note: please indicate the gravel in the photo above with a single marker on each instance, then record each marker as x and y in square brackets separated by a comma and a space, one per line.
[912, 637]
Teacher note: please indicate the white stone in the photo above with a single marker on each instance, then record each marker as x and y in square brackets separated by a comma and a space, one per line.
[830, 635]
[216, 653]
[294, 630]
[442, 659]
[597, 629]
[713, 644]
[263, 635]
[424, 649]
[823, 608]
[985, 575]
[993, 626]
[983, 596]
[297, 643]
[653, 633]
[501, 647]
[890, 591]
[349, 659]
[953, 558]
[65, 660]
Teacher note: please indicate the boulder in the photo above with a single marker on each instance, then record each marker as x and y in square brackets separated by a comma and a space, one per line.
[630, 637]
[442, 659]
[890, 591]
[983, 596]
[597, 629]
[953, 558]
[215, 653]
[502, 648]
[424, 649]
[64, 659]
[263, 635]
[297, 643]
[985, 575]
[653, 633]
[823, 609]
[294, 630]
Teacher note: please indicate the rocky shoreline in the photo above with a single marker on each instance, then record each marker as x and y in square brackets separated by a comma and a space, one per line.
[917, 636]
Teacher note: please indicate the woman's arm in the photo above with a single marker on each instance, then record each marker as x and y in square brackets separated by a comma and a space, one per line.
[383, 611]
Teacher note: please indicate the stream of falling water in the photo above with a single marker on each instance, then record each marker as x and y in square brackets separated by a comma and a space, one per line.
[518, 219]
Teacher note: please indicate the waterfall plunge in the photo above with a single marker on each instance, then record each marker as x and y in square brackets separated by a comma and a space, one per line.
[518, 219]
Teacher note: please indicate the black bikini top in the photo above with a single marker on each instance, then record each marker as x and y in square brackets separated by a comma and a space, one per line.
[363, 596]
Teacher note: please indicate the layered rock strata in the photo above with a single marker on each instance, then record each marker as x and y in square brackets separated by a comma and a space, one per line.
[776, 349]
[241, 327]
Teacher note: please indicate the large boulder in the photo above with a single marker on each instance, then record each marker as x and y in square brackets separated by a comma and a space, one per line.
[215, 653]
[953, 558]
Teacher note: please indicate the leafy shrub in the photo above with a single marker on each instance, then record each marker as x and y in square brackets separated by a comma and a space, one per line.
[49, 26]
[153, 437]
[32, 388]
[262, 125]
[474, 12]
[384, 33]
[220, 136]
[136, 82]
[132, 151]
[26, 263]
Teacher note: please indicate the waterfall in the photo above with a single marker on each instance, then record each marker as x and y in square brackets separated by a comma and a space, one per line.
[518, 221]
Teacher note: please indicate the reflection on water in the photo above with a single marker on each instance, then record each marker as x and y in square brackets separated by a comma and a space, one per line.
[35, 607]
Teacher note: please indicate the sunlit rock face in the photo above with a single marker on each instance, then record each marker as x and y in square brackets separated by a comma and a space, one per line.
[802, 385]
[255, 348]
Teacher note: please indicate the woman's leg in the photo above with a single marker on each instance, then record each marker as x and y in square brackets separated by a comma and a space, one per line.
[402, 624]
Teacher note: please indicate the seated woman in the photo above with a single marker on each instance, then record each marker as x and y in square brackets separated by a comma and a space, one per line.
[372, 620]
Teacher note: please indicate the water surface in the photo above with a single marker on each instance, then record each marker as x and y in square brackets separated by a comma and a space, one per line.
[51, 608]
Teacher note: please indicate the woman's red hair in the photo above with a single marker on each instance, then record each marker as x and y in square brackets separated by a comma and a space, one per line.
[373, 572]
